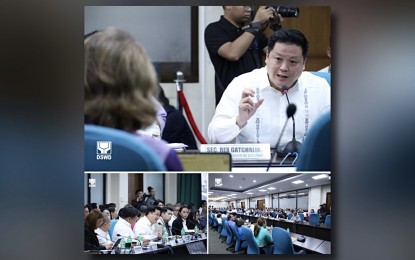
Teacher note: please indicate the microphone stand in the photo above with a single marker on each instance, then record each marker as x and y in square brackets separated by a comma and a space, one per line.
[292, 147]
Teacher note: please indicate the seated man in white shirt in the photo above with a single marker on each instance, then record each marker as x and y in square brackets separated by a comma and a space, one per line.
[253, 106]
[102, 233]
[145, 225]
[127, 216]
[163, 221]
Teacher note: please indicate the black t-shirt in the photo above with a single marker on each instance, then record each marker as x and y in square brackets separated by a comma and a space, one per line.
[221, 32]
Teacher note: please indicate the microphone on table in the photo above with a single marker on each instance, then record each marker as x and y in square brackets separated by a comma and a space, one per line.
[293, 146]
[291, 108]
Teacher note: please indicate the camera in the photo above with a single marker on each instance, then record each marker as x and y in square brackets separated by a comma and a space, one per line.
[286, 11]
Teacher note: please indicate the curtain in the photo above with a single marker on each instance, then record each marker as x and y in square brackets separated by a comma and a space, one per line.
[189, 188]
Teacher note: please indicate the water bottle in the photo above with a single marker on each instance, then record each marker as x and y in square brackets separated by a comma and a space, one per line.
[271, 227]
[288, 229]
[165, 237]
[182, 232]
[140, 238]
[122, 243]
[129, 242]
[196, 232]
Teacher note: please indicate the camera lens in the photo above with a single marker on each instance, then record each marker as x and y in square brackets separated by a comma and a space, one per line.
[285, 11]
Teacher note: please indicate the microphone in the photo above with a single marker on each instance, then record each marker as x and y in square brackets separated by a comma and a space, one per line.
[293, 146]
[290, 112]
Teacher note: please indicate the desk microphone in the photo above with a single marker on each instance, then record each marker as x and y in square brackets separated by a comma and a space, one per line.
[293, 146]
[291, 108]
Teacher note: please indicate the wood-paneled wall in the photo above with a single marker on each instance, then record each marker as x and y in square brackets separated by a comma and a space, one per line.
[315, 23]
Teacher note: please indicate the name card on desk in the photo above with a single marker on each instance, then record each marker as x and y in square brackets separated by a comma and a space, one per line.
[240, 151]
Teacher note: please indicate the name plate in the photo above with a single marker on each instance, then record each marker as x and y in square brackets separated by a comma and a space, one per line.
[240, 151]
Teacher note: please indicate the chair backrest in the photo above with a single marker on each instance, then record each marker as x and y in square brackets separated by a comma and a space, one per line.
[301, 216]
[282, 241]
[215, 221]
[289, 216]
[125, 151]
[314, 219]
[112, 225]
[325, 75]
[315, 152]
[230, 236]
[236, 238]
[224, 231]
[250, 240]
[327, 221]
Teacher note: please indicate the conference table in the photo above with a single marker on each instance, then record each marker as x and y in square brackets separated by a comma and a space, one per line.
[311, 244]
[192, 246]
[320, 231]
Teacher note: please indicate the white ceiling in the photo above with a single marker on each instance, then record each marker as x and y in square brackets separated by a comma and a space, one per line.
[242, 183]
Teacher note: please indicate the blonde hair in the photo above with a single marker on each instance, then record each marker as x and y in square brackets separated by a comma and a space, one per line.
[119, 81]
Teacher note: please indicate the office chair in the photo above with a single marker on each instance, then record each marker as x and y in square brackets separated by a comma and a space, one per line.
[301, 216]
[238, 243]
[327, 221]
[314, 219]
[252, 246]
[229, 238]
[315, 153]
[282, 242]
[127, 152]
[289, 216]
[324, 75]
[224, 232]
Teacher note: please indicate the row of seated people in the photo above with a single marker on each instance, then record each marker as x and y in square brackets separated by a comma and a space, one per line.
[101, 232]
[296, 215]
[256, 238]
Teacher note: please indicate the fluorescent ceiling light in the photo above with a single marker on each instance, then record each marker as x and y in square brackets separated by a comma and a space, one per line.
[298, 182]
[321, 176]
[249, 193]
[254, 181]
[231, 176]
[262, 190]
[271, 188]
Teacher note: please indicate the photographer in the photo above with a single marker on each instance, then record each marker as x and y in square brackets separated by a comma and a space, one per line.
[236, 47]
[138, 201]
[151, 197]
